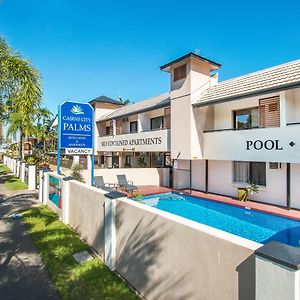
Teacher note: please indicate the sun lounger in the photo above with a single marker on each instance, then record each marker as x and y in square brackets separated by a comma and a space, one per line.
[124, 183]
[99, 183]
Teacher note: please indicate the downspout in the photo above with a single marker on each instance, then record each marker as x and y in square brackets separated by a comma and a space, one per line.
[206, 176]
[288, 186]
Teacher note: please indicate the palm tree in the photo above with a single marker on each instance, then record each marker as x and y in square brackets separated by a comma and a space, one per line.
[20, 91]
[123, 101]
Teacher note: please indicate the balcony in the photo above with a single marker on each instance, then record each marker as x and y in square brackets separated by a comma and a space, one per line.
[151, 141]
[274, 144]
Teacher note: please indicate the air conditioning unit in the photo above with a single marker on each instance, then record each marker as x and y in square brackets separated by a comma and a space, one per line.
[274, 165]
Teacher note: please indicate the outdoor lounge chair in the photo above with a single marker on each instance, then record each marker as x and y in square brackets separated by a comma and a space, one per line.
[127, 185]
[99, 183]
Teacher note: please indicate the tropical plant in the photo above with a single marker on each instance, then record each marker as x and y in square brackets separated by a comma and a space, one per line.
[123, 101]
[20, 92]
[252, 188]
[138, 197]
[76, 172]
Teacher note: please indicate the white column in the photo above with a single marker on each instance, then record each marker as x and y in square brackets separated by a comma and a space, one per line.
[76, 160]
[89, 162]
[283, 109]
[41, 185]
[65, 199]
[45, 188]
[277, 273]
[22, 175]
[18, 169]
[110, 233]
[31, 177]
[139, 123]
[114, 127]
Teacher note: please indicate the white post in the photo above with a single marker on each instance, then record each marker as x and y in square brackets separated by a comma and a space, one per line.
[76, 160]
[277, 272]
[41, 185]
[18, 169]
[45, 187]
[114, 127]
[110, 233]
[65, 198]
[31, 177]
[282, 109]
[22, 175]
[13, 166]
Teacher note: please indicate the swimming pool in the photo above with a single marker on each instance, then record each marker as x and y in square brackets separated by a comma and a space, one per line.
[250, 224]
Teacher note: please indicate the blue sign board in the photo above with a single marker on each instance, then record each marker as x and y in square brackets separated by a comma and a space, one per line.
[76, 131]
[76, 125]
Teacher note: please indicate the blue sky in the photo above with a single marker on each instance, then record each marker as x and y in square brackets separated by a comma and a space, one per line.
[84, 49]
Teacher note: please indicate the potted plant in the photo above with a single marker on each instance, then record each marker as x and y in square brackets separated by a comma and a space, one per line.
[252, 188]
[245, 191]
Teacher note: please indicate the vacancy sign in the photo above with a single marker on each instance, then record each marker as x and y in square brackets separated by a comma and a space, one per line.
[76, 128]
[78, 151]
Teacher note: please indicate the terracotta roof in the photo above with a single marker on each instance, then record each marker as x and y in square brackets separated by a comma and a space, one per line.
[267, 80]
[156, 102]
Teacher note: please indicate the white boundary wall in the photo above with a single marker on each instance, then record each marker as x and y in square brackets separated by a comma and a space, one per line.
[162, 255]
[18, 169]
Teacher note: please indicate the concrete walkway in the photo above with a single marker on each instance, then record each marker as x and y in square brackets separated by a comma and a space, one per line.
[22, 273]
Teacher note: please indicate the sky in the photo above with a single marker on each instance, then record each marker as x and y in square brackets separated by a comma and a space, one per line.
[84, 48]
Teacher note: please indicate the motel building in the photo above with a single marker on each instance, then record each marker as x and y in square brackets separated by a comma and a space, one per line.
[211, 136]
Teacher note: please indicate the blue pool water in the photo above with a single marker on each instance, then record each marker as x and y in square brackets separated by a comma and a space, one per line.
[250, 224]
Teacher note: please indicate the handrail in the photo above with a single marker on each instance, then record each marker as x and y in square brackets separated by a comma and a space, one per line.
[293, 123]
[232, 129]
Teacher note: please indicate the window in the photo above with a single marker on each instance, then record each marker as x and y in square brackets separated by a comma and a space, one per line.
[157, 123]
[107, 130]
[133, 126]
[244, 171]
[180, 73]
[246, 118]
[269, 111]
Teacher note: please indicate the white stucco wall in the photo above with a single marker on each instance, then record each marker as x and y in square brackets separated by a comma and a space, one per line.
[198, 175]
[295, 186]
[220, 181]
[139, 176]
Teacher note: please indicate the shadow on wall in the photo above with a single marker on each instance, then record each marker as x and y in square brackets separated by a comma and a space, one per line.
[138, 249]
[89, 223]
[95, 238]
[246, 279]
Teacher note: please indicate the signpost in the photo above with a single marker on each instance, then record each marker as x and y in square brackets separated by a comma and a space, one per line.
[76, 131]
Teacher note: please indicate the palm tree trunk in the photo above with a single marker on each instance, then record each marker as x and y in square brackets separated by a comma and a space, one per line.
[21, 144]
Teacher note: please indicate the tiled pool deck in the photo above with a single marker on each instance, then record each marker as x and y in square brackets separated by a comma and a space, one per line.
[276, 210]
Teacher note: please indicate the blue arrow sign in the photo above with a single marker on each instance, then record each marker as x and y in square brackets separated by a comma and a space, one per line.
[76, 125]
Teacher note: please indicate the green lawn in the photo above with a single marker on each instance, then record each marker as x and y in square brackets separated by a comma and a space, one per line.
[56, 243]
[11, 182]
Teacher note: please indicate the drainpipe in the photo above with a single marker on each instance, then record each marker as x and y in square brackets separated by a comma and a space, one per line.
[288, 186]
[190, 175]
[206, 176]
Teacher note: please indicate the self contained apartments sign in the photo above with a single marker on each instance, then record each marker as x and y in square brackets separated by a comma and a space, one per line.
[133, 142]
[76, 128]
[155, 141]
